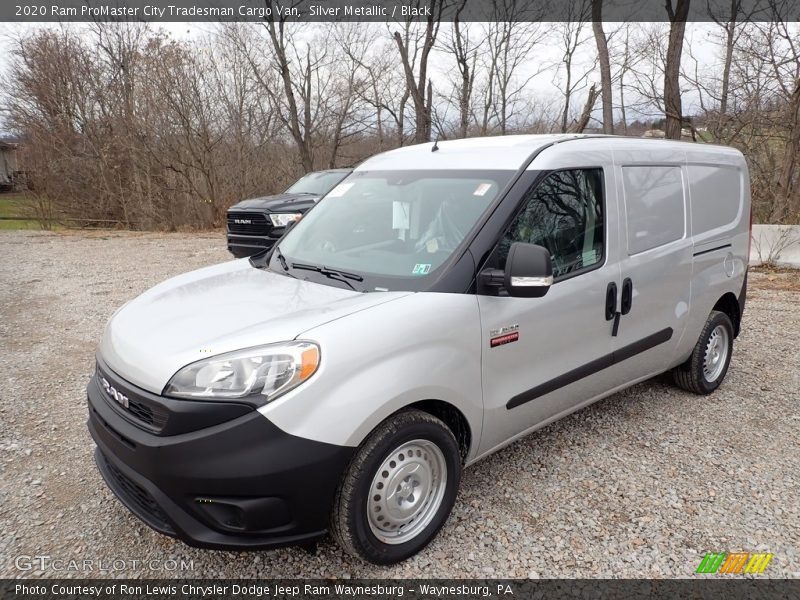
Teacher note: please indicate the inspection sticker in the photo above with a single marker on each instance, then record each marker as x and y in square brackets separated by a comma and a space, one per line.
[421, 269]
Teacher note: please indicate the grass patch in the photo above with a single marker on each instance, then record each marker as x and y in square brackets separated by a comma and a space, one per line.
[13, 205]
[16, 204]
[6, 225]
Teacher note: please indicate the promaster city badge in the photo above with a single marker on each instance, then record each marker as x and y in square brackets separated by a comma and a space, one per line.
[503, 335]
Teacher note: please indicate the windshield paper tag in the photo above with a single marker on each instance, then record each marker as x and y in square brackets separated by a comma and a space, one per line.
[400, 212]
[482, 189]
[421, 269]
[340, 190]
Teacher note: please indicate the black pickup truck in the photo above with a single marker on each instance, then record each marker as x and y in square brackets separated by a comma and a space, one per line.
[256, 224]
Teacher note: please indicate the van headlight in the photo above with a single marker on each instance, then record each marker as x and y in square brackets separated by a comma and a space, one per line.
[262, 373]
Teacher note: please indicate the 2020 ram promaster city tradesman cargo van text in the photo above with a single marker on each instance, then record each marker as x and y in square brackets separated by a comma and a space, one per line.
[439, 303]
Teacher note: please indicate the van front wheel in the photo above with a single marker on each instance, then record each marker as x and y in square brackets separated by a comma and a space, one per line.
[398, 490]
[705, 369]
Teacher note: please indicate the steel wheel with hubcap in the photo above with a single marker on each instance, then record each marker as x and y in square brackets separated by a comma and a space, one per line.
[399, 488]
[407, 491]
[716, 355]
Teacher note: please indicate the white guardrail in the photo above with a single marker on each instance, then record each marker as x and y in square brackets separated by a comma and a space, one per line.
[777, 244]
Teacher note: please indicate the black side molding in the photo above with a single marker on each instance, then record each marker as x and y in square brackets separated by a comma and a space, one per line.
[590, 368]
[712, 250]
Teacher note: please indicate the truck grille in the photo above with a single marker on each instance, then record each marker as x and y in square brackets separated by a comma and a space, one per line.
[248, 223]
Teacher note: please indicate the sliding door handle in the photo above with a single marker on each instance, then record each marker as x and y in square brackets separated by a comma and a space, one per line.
[611, 301]
[627, 296]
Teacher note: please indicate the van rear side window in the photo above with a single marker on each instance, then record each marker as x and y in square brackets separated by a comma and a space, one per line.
[654, 205]
[716, 194]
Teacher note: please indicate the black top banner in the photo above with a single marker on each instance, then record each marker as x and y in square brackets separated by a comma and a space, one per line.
[391, 10]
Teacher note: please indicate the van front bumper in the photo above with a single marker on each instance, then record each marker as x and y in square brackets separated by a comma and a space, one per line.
[240, 484]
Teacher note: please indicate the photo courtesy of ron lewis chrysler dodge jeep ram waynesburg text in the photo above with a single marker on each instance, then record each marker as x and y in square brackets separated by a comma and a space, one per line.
[439, 303]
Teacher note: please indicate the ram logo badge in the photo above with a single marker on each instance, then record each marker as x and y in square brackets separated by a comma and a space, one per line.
[119, 397]
[243, 221]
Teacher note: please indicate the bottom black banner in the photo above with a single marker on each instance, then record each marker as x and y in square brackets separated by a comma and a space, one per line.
[389, 589]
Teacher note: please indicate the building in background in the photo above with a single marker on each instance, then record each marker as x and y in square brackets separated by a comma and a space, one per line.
[9, 169]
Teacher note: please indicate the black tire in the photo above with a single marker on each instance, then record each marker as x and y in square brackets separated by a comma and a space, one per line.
[690, 376]
[350, 525]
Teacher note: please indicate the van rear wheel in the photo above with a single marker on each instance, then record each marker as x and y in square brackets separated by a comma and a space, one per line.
[398, 490]
[705, 369]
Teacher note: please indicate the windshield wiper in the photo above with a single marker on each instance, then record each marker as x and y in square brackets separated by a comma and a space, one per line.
[282, 260]
[342, 276]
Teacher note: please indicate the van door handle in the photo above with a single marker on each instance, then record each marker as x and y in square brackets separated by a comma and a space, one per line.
[611, 301]
[627, 296]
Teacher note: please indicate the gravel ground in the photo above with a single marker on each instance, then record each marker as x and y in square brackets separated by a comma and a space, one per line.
[639, 485]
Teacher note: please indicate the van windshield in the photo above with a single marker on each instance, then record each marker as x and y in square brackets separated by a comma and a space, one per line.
[388, 230]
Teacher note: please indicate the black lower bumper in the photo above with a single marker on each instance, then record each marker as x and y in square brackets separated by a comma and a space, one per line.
[237, 485]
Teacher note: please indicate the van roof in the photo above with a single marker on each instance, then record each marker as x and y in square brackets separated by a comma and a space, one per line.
[508, 152]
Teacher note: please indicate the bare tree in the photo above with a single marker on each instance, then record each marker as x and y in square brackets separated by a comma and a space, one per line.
[511, 38]
[672, 68]
[415, 48]
[605, 66]
[465, 51]
[571, 34]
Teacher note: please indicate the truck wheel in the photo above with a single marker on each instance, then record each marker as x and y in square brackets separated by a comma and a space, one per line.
[705, 369]
[398, 490]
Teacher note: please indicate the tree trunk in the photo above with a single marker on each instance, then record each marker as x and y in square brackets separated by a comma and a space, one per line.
[567, 99]
[786, 189]
[306, 159]
[583, 121]
[605, 66]
[730, 32]
[417, 87]
[672, 70]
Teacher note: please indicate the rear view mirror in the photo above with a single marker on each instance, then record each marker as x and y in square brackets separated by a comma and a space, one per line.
[528, 272]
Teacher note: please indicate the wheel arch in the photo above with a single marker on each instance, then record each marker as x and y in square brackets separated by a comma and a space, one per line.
[451, 416]
[729, 305]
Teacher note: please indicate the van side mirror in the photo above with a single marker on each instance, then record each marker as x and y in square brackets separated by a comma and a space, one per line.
[528, 272]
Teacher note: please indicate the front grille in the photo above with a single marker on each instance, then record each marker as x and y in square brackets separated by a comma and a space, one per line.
[136, 497]
[248, 223]
[139, 412]
[147, 415]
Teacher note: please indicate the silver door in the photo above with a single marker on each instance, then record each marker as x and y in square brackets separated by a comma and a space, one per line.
[543, 357]
[655, 263]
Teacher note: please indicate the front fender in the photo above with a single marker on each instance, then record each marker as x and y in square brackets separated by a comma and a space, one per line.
[425, 346]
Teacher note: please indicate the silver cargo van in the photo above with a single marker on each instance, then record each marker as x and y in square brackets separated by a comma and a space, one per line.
[439, 303]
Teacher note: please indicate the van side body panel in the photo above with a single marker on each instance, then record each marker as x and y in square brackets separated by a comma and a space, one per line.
[719, 191]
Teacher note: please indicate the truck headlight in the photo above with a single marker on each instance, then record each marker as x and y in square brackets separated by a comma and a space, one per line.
[262, 373]
[283, 219]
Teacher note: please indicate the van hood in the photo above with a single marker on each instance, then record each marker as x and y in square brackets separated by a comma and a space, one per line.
[215, 310]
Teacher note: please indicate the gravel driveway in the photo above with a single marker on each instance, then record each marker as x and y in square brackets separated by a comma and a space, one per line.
[639, 485]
